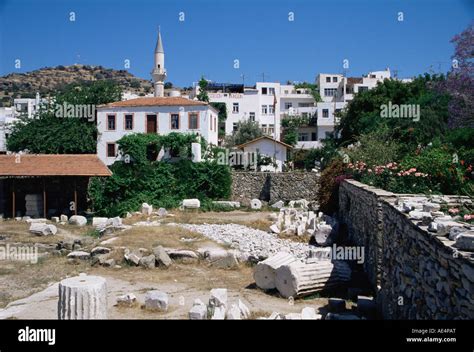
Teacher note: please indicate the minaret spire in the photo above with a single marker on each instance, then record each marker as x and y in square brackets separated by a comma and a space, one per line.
[159, 72]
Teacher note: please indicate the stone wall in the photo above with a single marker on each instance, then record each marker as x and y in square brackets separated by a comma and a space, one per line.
[272, 187]
[415, 273]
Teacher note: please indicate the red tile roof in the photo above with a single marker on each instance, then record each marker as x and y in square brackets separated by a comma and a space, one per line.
[264, 137]
[52, 165]
[155, 101]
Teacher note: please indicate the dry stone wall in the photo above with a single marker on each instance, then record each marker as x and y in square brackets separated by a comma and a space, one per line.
[272, 187]
[416, 274]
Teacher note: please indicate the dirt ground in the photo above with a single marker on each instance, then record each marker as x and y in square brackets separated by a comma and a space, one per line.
[30, 290]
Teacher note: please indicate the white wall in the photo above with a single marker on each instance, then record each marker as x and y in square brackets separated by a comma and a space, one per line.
[271, 149]
[206, 115]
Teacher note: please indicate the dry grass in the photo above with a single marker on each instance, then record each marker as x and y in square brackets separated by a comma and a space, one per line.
[165, 235]
[21, 279]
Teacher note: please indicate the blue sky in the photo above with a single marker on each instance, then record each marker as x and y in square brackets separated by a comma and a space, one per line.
[215, 33]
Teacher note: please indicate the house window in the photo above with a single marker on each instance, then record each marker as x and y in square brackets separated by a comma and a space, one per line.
[264, 129]
[271, 91]
[111, 150]
[234, 127]
[288, 105]
[334, 79]
[325, 112]
[264, 90]
[330, 92]
[235, 108]
[363, 88]
[111, 122]
[314, 136]
[303, 137]
[264, 109]
[215, 124]
[129, 122]
[174, 121]
[271, 128]
[252, 116]
[193, 121]
[328, 79]
[271, 109]
[286, 91]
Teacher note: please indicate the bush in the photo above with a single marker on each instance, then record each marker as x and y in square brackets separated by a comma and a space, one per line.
[329, 182]
[161, 183]
[374, 148]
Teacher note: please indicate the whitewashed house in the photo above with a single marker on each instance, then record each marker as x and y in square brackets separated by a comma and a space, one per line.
[158, 114]
[267, 146]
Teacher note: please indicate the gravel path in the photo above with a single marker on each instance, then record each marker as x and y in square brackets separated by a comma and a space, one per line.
[251, 242]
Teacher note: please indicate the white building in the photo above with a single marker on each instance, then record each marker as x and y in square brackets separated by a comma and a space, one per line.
[267, 146]
[268, 103]
[22, 107]
[158, 114]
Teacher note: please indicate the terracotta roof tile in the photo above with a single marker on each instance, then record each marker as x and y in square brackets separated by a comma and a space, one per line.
[264, 137]
[155, 101]
[52, 165]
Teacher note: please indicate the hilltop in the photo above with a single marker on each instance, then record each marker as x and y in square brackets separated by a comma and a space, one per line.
[50, 79]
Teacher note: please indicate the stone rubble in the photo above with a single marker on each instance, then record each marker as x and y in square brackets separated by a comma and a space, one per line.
[426, 211]
[252, 243]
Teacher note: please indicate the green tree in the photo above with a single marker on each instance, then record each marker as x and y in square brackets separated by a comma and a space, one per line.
[363, 114]
[203, 96]
[246, 131]
[52, 134]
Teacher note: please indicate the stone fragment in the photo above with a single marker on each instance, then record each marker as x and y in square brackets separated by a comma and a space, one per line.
[64, 218]
[198, 312]
[278, 205]
[82, 297]
[162, 212]
[162, 258]
[218, 313]
[81, 255]
[233, 313]
[309, 313]
[43, 229]
[132, 257]
[127, 300]
[465, 241]
[255, 204]
[218, 297]
[147, 262]
[97, 221]
[77, 220]
[147, 209]
[99, 250]
[244, 310]
[429, 207]
[55, 219]
[293, 316]
[191, 203]
[156, 300]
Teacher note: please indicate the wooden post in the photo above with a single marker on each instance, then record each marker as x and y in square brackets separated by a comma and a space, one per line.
[13, 198]
[75, 196]
[44, 199]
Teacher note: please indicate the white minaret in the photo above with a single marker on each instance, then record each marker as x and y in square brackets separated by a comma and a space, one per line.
[159, 72]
